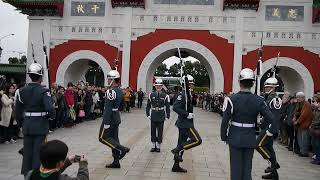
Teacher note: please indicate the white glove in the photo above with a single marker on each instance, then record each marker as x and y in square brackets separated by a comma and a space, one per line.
[106, 126]
[167, 119]
[269, 133]
[149, 117]
[190, 116]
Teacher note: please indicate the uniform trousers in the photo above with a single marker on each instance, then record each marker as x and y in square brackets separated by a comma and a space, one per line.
[110, 137]
[139, 103]
[265, 147]
[240, 163]
[156, 131]
[188, 138]
[31, 152]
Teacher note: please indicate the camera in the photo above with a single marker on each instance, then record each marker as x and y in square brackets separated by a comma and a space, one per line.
[77, 158]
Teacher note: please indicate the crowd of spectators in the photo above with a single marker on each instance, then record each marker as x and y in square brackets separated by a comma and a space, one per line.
[299, 123]
[73, 104]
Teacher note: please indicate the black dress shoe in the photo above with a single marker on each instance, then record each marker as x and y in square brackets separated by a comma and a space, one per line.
[153, 150]
[157, 150]
[273, 175]
[21, 151]
[177, 168]
[124, 152]
[270, 168]
[303, 155]
[113, 165]
[315, 162]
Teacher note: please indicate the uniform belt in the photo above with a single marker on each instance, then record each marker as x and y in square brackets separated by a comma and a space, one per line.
[35, 114]
[158, 108]
[115, 109]
[243, 125]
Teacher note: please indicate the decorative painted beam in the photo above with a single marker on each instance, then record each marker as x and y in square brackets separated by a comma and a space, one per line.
[241, 4]
[128, 3]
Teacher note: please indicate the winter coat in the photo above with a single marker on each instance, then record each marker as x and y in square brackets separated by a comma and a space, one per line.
[6, 111]
[69, 97]
[305, 118]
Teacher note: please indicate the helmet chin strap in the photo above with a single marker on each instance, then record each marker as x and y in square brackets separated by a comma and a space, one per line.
[109, 85]
[270, 91]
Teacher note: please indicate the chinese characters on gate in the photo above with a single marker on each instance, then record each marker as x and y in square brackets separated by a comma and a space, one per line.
[284, 13]
[79, 8]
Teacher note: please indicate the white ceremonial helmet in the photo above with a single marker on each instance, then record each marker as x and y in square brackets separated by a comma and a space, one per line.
[113, 74]
[271, 82]
[158, 82]
[246, 74]
[35, 68]
[300, 94]
[190, 79]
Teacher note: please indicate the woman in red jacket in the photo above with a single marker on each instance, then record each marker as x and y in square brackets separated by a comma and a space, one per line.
[70, 101]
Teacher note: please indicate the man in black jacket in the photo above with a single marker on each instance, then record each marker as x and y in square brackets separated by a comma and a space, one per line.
[88, 101]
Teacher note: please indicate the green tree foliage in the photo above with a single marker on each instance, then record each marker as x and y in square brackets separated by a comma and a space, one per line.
[15, 60]
[196, 69]
[161, 70]
[23, 60]
[174, 70]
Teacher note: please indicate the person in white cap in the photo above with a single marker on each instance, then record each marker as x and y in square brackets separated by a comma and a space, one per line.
[109, 130]
[270, 129]
[158, 110]
[238, 127]
[188, 135]
[34, 108]
[302, 121]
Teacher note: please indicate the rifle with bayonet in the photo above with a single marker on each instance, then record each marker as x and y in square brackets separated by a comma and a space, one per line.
[184, 78]
[47, 61]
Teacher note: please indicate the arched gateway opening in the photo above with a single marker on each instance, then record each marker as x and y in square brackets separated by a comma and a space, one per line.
[83, 65]
[295, 76]
[168, 49]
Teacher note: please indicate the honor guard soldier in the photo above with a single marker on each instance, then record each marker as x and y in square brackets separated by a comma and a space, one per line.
[158, 110]
[188, 135]
[240, 112]
[109, 129]
[34, 108]
[269, 129]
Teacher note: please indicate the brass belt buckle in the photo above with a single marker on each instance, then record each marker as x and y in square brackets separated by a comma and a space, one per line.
[157, 108]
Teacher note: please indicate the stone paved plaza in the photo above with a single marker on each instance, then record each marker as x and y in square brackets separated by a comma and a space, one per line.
[209, 161]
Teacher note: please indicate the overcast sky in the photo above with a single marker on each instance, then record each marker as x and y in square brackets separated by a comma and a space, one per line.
[12, 22]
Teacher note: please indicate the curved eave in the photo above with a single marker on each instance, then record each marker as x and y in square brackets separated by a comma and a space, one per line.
[42, 5]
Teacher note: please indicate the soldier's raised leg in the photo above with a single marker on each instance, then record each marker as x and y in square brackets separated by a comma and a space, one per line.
[183, 136]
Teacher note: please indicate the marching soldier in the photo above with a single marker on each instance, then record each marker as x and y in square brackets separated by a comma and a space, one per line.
[269, 129]
[109, 129]
[188, 135]
[159, 104]
[34, 108]
[238, 125]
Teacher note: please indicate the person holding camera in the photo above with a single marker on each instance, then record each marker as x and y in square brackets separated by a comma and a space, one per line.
[53, 157]
[8, 120]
